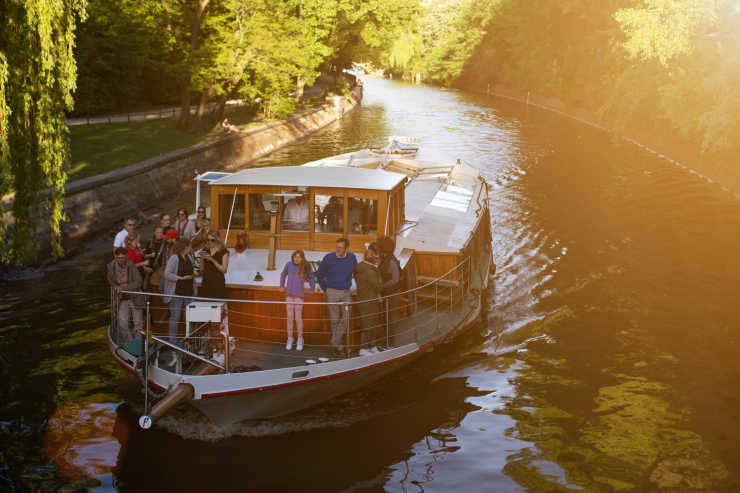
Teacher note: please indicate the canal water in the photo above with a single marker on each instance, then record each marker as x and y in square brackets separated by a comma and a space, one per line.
[608, 362]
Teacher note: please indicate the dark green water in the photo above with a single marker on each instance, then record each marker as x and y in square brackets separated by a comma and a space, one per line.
[609, 361]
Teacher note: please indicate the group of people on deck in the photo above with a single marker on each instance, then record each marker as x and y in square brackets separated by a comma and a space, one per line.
[175, 255]
[178, 253]
[378, 274]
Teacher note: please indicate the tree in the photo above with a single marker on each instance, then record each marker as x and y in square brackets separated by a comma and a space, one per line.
[125, 54]
[664, 29]
[37, 78]
[364, 31]
[446, 58]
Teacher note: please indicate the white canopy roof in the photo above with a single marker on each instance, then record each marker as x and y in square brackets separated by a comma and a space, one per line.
[315, 176]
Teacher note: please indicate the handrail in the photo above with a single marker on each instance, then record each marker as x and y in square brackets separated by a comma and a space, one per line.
[265, 302]
[419, 330]
[189, 353]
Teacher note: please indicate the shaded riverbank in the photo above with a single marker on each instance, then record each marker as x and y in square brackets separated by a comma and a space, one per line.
[658, 140]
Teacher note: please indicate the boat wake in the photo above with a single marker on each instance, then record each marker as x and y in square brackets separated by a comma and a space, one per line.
[188, 423]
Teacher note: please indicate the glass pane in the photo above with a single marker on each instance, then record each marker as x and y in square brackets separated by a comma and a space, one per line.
[295, 213]
[224, 209]
[363, 217]
[329, 214]
[260, 205]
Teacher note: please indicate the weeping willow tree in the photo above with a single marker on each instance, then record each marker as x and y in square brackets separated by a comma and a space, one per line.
[37, 79]
[404, 55]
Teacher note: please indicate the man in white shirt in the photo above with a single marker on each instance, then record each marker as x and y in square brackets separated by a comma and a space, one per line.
[295, 215]
[128, 227]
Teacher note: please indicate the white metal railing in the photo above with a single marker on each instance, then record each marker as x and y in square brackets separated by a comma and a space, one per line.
[420, 314]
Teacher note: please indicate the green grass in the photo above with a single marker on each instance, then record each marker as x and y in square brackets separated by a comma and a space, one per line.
[101, 148]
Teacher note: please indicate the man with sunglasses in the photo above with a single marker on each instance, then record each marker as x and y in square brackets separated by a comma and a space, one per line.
[128, 227]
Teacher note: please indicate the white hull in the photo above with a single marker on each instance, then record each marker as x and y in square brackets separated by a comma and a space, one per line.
[233, 397]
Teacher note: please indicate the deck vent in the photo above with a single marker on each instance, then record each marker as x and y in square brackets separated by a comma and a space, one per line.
[300, 374]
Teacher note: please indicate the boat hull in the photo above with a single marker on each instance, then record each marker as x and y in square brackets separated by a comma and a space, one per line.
[234, 397]
[278, 401]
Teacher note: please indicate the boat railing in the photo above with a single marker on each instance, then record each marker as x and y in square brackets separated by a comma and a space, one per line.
[251, 334]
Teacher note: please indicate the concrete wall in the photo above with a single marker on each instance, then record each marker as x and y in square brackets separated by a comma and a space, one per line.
[98, 203]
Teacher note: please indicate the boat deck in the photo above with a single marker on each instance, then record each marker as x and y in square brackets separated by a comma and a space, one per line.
[253, 356]
[423, 326]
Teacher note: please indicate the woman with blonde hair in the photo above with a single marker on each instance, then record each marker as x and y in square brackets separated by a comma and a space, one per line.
[214, 262]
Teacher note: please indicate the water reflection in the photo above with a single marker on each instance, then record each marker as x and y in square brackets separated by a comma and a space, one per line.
[608, 362]
[330, 457]
[85, 440]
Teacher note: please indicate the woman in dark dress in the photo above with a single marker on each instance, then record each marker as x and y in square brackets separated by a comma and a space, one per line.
[214, 261]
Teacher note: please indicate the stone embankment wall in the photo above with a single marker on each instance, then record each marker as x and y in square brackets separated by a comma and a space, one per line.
[659, 141]
[99, 202]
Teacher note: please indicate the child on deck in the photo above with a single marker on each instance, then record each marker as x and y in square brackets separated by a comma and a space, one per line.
[296, 272]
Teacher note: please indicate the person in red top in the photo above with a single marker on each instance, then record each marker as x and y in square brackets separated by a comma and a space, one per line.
[135, 254]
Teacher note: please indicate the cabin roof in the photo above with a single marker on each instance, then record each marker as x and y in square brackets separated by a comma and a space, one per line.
[442, 199]
[315, 176]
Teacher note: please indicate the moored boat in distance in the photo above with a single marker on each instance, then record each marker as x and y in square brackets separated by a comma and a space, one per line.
[230, 359]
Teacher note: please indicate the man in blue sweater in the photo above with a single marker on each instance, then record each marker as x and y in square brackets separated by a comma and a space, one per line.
[335, 278]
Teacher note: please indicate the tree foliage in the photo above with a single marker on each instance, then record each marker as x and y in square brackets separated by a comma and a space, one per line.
[135, 53]
[148, 52]
[126, 55]
[37, 79]
[670, 64]
[665, 29]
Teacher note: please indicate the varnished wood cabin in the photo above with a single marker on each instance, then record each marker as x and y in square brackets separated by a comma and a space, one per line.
[433, 211]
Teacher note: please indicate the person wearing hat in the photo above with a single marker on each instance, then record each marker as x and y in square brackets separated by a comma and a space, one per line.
[170, 238]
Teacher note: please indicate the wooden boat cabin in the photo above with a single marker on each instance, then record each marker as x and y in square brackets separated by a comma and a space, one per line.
[283, 209]
[309, 207]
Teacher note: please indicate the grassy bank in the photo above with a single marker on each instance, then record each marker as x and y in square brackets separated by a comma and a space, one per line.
[100, 148]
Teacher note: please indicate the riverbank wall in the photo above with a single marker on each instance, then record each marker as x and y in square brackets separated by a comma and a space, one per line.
[96, 204]
[661, 142]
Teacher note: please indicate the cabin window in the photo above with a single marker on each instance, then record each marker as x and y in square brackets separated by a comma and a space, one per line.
[362, 217]
[295, 213]
[224, 211]
[260, 205]
[329, 214]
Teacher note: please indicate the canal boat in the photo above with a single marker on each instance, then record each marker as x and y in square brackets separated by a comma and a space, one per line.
[397, 146]
[230, 360]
